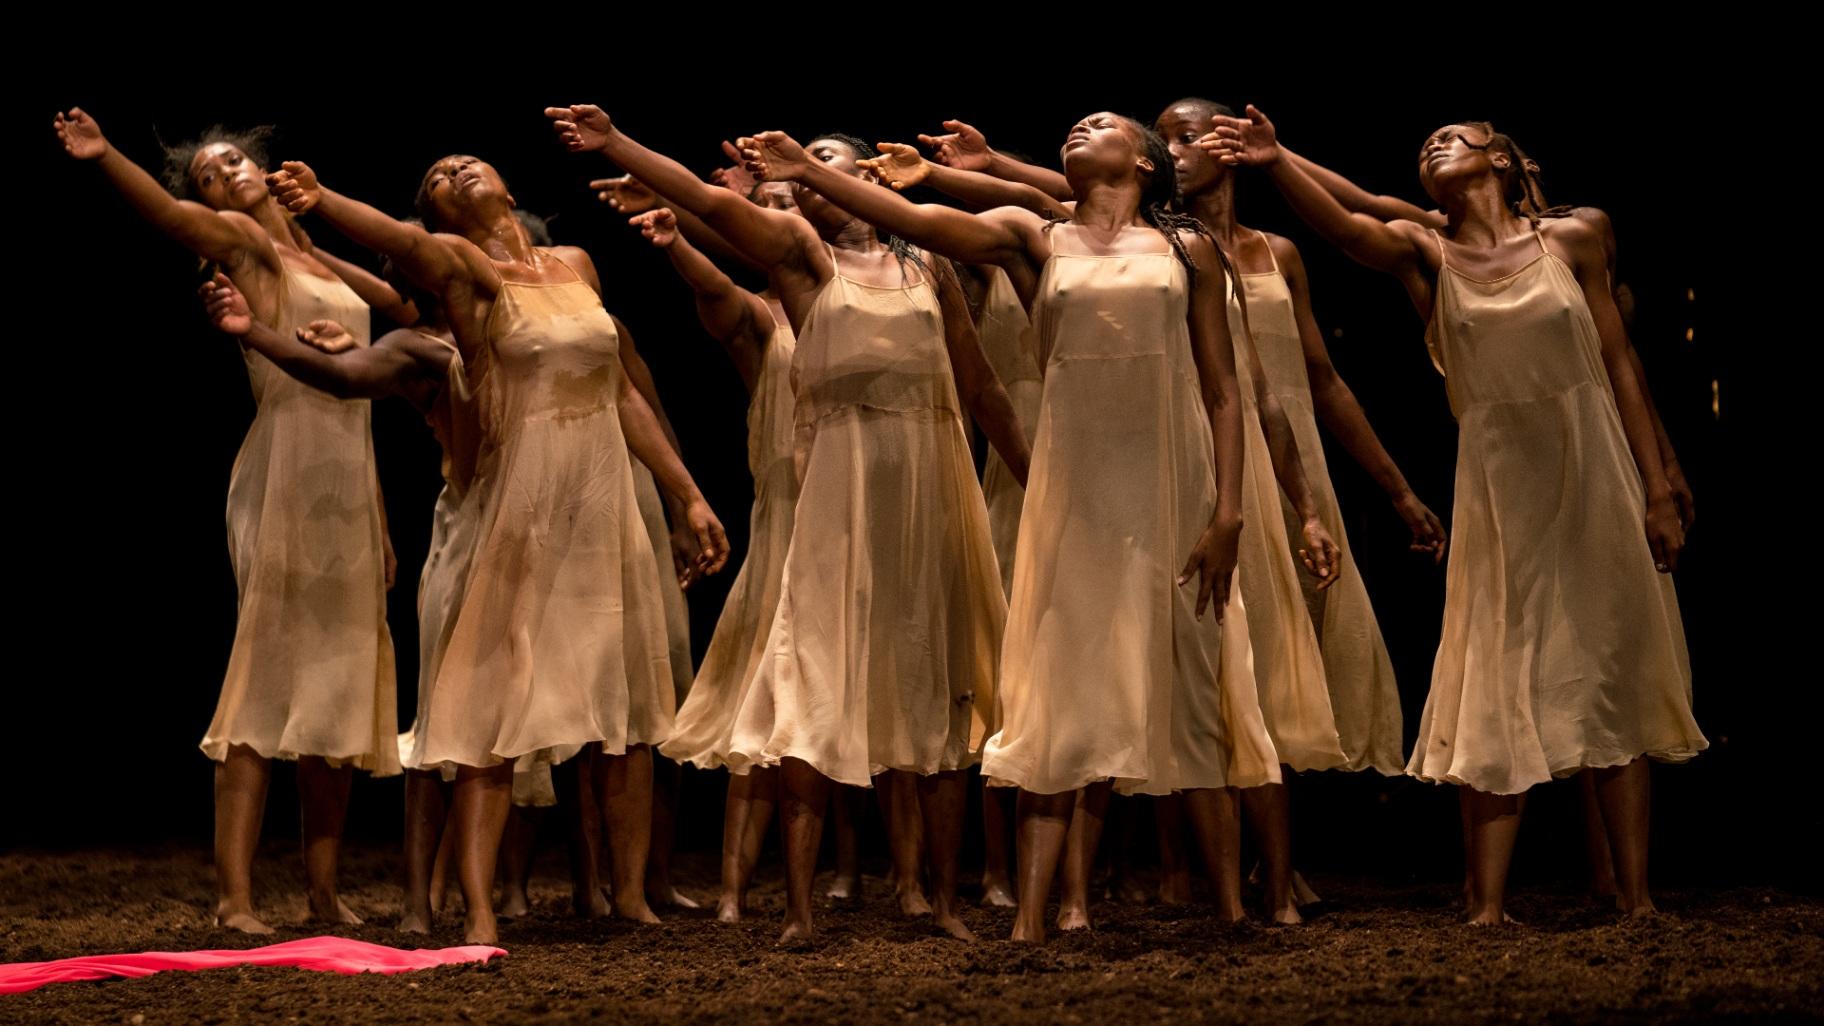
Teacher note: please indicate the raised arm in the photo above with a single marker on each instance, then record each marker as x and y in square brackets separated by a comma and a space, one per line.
[630, 196]
[226, 239]
[1664, 534]
[1358, 200]
[434, 263]
[732, 315]
[1342, 414]
[767, 237]
[959, 235]
[901, 167]
[977, 385]
[966, 149]
[1392, 248]
[388, 367]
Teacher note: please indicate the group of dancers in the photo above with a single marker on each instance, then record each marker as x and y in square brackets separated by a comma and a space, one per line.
[1148, 592]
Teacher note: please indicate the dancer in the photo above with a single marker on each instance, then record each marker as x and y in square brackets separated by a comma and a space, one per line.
[1562, 649]
[310, 674]
[560, 561]
[882, 653]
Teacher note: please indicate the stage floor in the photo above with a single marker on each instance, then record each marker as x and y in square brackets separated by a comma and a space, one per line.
[1371, 954]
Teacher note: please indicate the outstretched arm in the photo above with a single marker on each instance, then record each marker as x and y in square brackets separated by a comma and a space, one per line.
[732, 315]
[966, 149]
[767, 237]
[314, 354]
[901, 167]
[225, 239]
[435, 263]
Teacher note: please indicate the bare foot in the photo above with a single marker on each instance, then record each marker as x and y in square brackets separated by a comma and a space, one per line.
[1231, 916]
[1641, 911]
[590, 903]
[912, 903]
[332, 909]
[1490, 919]
[1128, 891]
[1175, 888]
[242, 920]
[1025, 933]
[728, 909]
[670, 897]
[795, 933]
[1071, 917]
[1288, 916]
[415, 921]
[1301, 891]
[950, 924]
[844, 888]
[636, 910]
[438, 903]
[513, 902]
[998, 894]
[481, 927]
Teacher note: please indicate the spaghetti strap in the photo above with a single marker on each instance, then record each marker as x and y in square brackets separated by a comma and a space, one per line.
[1540, 236]
[1270, 254]
[552, 253]
[1443, 261]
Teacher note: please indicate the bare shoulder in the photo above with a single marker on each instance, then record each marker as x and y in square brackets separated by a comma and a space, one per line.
[1285, 252]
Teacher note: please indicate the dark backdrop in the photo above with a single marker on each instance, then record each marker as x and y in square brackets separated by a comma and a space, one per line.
[134, 409]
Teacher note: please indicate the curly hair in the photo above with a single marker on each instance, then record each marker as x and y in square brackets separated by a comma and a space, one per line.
[180, 158]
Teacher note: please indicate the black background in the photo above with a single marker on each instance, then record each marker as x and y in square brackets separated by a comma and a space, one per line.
[129, 409]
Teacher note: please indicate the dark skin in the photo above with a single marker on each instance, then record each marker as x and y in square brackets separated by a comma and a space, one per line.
[1391, 208]
[901, 167]
[1487, 241]
[1108, 170]
[467, 268]
[255, 242]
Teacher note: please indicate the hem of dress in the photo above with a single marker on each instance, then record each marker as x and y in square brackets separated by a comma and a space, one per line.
[1127, 786]
[526, 760]
[1681, 753]
[740, 763]
[216, 749]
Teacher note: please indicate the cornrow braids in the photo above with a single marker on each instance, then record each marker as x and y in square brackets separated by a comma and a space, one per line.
[902, 250]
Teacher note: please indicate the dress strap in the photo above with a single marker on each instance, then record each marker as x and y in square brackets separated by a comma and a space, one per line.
[1540, 236]
[1443, 261]
[1269, 245]
[552, 253]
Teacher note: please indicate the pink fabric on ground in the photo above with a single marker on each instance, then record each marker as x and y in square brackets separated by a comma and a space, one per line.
[325, 954]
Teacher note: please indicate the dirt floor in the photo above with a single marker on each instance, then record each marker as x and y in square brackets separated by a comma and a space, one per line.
[1371, 954]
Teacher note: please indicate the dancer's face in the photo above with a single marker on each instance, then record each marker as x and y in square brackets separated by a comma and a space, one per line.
[775, 196]
[1182, 126]
[837, 156]
[463, 190]
[1455, 154]
[1101, 145]
[227, 179]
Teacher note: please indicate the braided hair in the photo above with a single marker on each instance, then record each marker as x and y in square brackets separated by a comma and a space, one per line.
[1520, 183]
[902, 250]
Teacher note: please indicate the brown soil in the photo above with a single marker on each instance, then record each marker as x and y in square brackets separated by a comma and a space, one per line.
[1375, 954]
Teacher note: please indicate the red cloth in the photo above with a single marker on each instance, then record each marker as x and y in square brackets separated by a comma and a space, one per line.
[326, 954]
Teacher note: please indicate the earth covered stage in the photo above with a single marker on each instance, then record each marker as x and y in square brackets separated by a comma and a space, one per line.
[1373, 954]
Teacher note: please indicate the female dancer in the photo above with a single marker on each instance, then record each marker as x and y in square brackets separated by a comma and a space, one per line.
[754, 331]
[562, 564]
[882, 653]
[310, 676]
[1137, 465]
[1561, 648]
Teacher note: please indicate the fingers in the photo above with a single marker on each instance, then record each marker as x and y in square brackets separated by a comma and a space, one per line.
[729, 151]
[558, 113]
[927, 141]
[1220, 593]
[1206, 587]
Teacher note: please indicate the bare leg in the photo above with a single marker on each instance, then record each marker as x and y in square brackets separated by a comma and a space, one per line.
[516, 849]
[1494, 822]
[1269, 810]
[323, 793]
[1626, 793]
[425, 810]
[1596, 841]
[446, 857]
[1465, 814]
[583, 833]
[1174, 867]
[1044, 821]
[667, 777]
[944, 797]
[900, 793]
[1215, 815]
[997, 885]
[240, 804]
[762, 799]
[623, 785]
[483, 796]
[803, 794]
[729, 905]
[1080, 854]
[849, 804]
